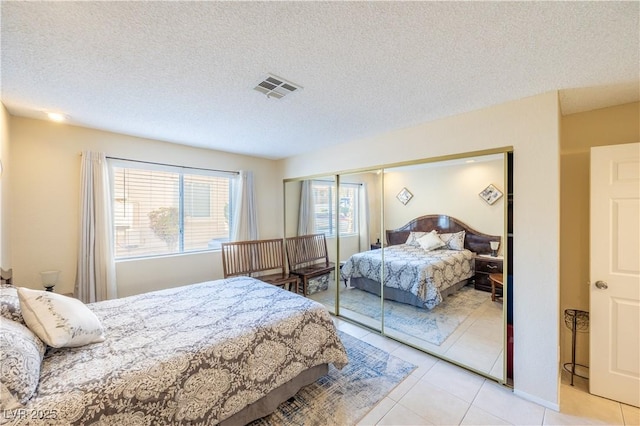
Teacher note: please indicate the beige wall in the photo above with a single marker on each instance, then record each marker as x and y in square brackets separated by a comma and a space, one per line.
[452, 190]
[531, 126]
[5, 253]
[580, 132]
[44, 203]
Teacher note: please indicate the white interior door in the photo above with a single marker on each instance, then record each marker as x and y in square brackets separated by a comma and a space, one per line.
[615, 273]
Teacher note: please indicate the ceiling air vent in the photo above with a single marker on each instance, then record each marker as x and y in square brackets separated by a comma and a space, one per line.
[275, 87]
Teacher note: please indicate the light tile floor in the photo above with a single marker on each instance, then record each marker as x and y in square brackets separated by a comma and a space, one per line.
[459, 397]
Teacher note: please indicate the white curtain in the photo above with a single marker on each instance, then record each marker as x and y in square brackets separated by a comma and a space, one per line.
[96, 277]
[306, 215]
[245, 218]
[363, 217]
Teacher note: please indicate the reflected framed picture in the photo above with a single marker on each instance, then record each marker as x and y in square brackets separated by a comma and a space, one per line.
[490, 194]
[404, 196]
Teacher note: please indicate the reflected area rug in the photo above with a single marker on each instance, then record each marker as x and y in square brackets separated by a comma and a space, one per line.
[433, 326]
[343, 397]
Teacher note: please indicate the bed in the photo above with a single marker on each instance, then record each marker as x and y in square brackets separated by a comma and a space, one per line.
[416, 276]
[226, 351]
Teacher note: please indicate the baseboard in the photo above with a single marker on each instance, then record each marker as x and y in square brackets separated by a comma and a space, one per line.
[547, 404]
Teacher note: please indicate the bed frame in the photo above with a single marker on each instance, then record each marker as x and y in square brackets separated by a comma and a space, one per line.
[270, 402]
[474, 241]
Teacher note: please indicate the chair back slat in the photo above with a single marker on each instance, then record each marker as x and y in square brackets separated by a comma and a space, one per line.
[246, 258]
[306, 249]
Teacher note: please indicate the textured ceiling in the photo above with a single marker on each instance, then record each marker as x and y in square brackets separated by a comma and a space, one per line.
[184, 72]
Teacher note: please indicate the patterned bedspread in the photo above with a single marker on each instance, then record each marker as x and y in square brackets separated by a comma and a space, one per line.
[188, 355]
[409, 268]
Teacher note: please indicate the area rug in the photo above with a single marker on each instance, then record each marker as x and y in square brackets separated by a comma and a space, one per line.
[433, 326]
[343, 397]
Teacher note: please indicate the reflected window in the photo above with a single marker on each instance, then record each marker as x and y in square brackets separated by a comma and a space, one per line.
[325, 213]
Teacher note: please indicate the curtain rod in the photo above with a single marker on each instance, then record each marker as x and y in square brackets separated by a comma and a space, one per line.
[173, 165]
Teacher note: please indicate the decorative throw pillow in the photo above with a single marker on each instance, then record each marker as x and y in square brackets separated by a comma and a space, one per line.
[9, 303]
[21, 355]
[60, 321]
[430, 241]
[453, 241]
[413, 237]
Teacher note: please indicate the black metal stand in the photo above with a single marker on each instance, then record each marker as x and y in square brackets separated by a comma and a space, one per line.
[575, 320]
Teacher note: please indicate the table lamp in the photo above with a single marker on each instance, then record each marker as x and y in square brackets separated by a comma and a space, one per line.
[49, 279]
[494, 248]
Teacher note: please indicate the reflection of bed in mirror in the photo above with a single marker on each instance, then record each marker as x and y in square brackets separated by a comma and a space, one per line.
[414, 275]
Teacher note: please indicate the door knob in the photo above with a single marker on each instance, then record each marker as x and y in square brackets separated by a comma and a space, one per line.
[601, 285]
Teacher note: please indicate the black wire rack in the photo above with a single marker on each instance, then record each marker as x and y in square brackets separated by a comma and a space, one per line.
[576, 321]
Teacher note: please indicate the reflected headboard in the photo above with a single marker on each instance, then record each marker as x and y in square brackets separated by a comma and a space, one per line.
[475, 241]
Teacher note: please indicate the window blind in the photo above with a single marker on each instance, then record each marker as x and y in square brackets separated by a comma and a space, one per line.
[160, 209]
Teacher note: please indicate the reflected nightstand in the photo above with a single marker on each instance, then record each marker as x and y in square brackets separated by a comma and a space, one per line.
[486, 265]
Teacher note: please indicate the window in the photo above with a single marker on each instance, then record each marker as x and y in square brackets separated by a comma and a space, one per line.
[160, 210]
[325, 212]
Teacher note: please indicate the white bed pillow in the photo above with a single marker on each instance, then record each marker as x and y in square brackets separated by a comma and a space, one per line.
[413, 237]
[453, 241]
[430, 241]
[21, 353]
[60, 321]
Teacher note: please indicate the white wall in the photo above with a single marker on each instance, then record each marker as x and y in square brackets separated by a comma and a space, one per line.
[44, 203]
[531, 126]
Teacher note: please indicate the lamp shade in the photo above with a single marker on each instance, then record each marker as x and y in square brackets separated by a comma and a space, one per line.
[494, 245]
[49, 278]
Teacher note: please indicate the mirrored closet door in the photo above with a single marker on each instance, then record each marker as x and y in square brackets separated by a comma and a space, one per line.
[420, 246]
[439, 231]
[311, 208]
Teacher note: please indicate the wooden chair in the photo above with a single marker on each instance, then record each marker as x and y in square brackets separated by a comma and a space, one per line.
[261, 259]
[496, 282]
[308, 258]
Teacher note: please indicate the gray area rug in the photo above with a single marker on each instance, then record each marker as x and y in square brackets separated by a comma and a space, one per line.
[343, 397]
[433, 326]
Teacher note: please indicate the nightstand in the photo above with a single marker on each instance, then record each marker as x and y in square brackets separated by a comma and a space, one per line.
[376, 246]
[486, 265]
